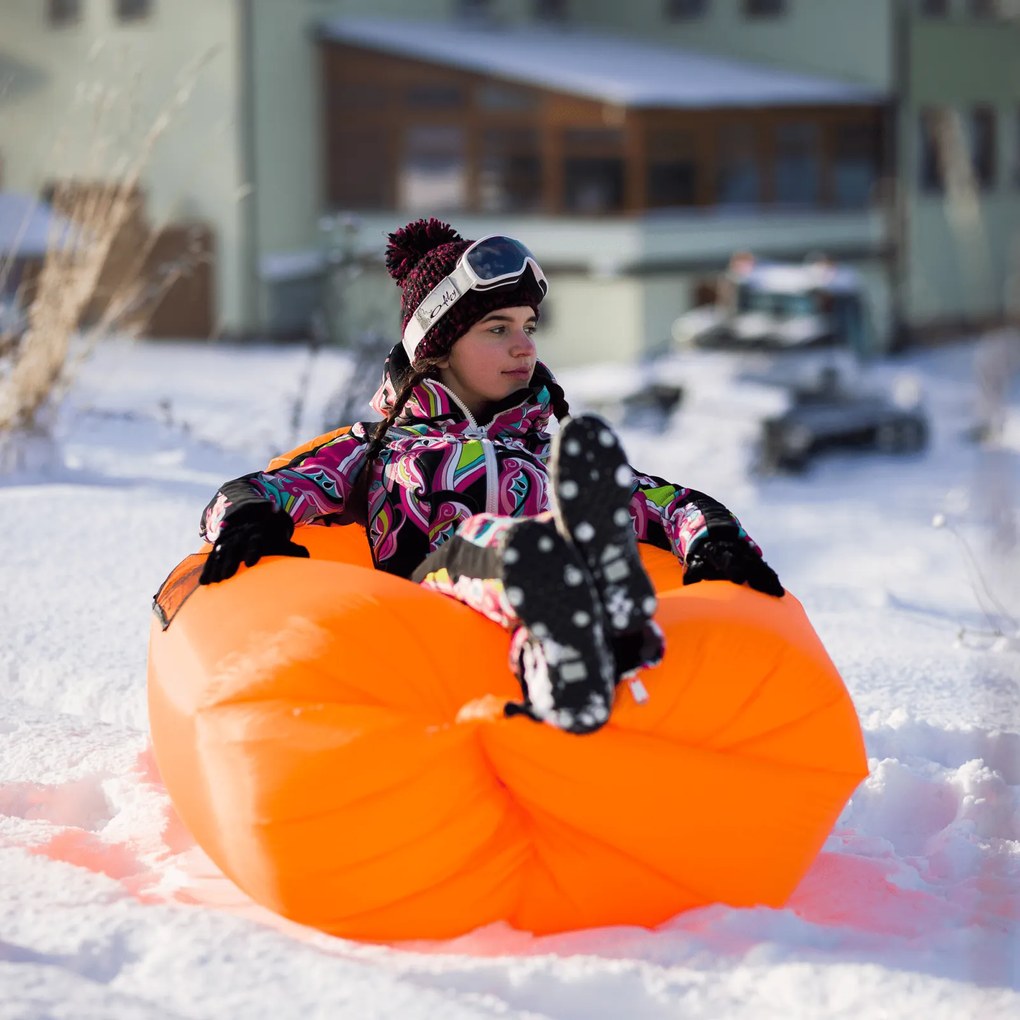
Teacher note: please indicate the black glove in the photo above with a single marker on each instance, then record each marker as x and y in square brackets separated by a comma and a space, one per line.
[730, 559]
[256, 530]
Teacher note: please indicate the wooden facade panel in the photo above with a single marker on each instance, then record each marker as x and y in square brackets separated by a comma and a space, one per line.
[400, 130]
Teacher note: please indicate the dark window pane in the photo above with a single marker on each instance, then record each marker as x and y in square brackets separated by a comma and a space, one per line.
[551, 10]
[352, 96]
[679, 10]
[798, 164]
[359, 168]
[593, 185]
[1016, 148]
[855, 164]
[672, 174]
[932, 125]
[935, 8]
[64, 12]
[739, 175]
[593, 141]
[672, 184]
[433, 170]
[490, 96]
[764, 8]
[983, 8]
[436, 96]
[983, 145]
[474, 8]
[510, 171]
[132, 10]
[593, 170]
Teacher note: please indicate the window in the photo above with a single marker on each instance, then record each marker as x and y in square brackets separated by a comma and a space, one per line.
[436, 96]
[351, 96]
[934, 8]
[983, 145]
[593, 170]
[433, 169]
[764, 8]
[798, 163]
[133, 10]
[359, 168]
[64, 12]
[855, 164]
[738, 182]
[681, 10]
[1016, 148]
[510, 170]
[504, 98]
[933, 123]
[474, 8]
[551, 10]
[672, 169]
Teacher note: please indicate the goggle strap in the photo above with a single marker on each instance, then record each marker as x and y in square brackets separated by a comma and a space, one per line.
[450, 289]
[443, 296]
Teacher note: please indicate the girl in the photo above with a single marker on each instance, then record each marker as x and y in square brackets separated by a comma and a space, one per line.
[462, 488]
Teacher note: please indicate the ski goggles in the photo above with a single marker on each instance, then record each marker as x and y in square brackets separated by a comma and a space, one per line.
[490, 262]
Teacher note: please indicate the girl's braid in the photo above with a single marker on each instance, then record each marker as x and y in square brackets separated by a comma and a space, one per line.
[378, 439]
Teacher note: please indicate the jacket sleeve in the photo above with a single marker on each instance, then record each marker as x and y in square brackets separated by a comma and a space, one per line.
[676, 518]
[316, 483]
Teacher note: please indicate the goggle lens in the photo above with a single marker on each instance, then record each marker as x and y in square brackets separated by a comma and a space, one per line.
[494, 260]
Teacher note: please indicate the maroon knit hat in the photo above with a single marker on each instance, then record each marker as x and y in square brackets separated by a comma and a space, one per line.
[419, 256]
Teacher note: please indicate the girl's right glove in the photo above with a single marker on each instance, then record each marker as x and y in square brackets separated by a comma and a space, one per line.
[730, 559]
[253, 531]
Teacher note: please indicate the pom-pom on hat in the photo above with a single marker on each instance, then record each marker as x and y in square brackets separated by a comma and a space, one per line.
[419, 256]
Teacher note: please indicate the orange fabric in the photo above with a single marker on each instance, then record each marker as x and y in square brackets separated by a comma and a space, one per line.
[331, 736]
[283, 459]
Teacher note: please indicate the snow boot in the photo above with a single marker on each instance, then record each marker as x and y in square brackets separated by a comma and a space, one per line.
[591, 487]
[567, 670]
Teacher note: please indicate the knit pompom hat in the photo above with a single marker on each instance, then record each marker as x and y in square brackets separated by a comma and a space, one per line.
[419, 256]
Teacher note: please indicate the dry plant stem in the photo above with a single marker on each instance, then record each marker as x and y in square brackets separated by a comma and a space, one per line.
[41, 368]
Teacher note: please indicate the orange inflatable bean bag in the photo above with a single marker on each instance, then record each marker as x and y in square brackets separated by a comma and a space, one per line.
[332, 737]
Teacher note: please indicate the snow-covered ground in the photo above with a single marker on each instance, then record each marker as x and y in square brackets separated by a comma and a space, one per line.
[108, 910]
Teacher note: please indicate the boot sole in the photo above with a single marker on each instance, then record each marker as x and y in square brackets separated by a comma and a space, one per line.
[591, 490]
[545, 582]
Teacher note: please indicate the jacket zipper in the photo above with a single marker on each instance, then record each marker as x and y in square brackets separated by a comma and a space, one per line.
[476, 431]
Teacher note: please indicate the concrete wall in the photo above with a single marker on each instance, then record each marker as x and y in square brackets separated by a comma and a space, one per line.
[963, 248]
[54, 125]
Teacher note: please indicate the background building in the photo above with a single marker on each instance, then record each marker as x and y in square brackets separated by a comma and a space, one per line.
[634, 146]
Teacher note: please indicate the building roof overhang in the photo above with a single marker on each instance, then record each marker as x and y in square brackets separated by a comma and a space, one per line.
[615, 69]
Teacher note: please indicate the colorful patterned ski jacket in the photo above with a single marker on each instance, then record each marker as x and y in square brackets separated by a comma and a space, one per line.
[440, 466]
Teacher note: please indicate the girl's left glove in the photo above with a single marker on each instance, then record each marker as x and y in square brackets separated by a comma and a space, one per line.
[730, 559]
[254, 531]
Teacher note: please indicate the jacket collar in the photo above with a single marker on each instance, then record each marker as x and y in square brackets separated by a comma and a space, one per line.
[430, 400]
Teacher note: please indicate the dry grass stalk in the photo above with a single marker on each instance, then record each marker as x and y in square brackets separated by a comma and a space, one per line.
[36, 371]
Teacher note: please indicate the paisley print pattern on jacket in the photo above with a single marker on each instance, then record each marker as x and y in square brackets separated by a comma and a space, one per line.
[439, 468]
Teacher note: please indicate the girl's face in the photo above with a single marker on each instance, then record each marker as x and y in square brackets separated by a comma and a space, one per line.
[494, 358]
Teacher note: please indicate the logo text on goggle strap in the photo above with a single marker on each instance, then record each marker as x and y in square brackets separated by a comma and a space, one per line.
[443, 301]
